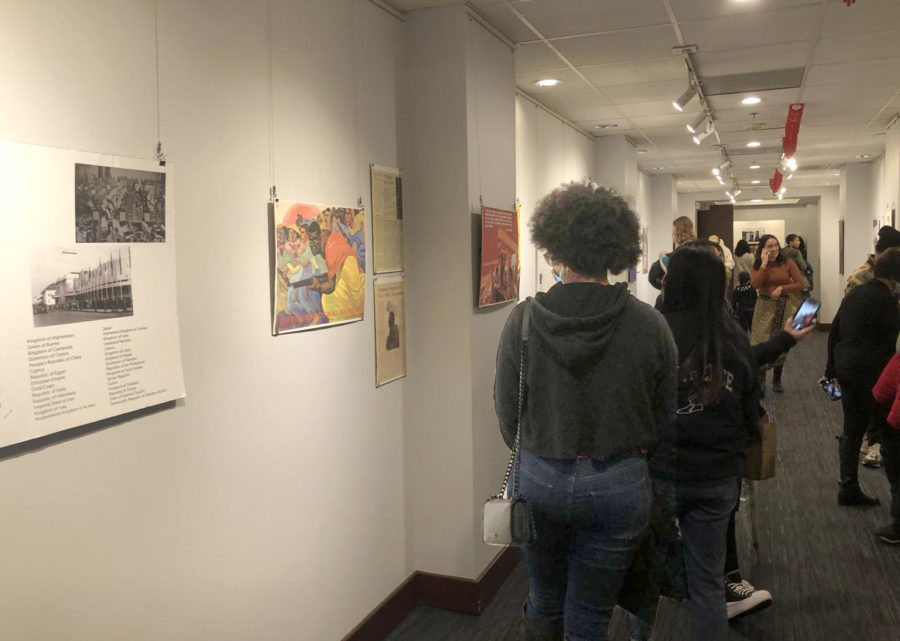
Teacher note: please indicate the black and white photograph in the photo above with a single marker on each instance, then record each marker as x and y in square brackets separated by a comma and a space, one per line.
[751, 236]
[74, 285]
[117, 205]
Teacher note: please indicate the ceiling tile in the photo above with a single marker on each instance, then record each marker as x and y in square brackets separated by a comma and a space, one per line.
[872, 72]
[752, 29]
[499, 15]
[667, 68]
[870, 46]
[556, 18]
[592, 115]
[675, 120]
[570, 99]
[653, 108]
[645, 92]
[686, 10]
[537, 56]
[870, 16]
[840, 92]
[624, 46]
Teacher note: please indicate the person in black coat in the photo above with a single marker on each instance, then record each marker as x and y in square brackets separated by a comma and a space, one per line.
[860, 344]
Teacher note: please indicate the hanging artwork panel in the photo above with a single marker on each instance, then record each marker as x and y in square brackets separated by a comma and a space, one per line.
[499, 280]
[319, 266]
[87, 289]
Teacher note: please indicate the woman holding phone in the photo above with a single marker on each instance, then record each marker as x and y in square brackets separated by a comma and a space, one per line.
[779, 283]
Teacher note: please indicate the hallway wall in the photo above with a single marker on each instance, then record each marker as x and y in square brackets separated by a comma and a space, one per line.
[548, 154]
[269, 504]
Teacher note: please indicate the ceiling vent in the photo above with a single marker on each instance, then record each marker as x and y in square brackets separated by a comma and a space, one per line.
[753, 82]
[754, 151]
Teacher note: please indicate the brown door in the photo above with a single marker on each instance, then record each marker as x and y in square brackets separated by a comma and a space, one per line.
[718, 220]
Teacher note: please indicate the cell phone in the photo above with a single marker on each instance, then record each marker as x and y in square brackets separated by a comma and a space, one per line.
[807, 312]
[832, 391]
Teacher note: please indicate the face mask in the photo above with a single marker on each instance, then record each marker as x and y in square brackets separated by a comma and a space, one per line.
[559, 277]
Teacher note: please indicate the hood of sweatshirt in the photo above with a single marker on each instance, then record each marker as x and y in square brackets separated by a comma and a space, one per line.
[577, 321]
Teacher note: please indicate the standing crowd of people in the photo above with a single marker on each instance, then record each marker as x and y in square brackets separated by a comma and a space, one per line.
[635, 419]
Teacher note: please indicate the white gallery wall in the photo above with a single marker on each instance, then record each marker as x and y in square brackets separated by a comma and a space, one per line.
[270, 504]
[549, 153]
[459, 147]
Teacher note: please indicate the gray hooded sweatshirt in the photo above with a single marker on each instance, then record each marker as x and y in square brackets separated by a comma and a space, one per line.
[601, 371]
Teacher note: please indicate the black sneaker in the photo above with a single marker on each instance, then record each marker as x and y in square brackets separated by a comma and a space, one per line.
[856, 497]
[890, 534]
[742, 599]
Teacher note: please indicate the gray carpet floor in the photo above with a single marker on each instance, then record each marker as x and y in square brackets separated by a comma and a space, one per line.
[830, 578]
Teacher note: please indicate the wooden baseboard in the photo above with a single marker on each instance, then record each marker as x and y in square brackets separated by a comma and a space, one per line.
[437, 590]
[823, 327]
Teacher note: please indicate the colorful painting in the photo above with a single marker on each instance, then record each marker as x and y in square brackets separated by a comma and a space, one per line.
[320, 266]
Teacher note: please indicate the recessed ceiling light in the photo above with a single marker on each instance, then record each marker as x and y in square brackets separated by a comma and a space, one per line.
[756, 200]
[547, 82]
[606, 125]
[751, 100]
[754, 182]
[754, 166]
[837, 173]
[863, 156]
[754, 143]
[657, 168]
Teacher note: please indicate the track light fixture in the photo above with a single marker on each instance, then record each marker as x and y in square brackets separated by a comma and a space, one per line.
[721, 169]
[694, 127]
[700, 136]
[685, 98]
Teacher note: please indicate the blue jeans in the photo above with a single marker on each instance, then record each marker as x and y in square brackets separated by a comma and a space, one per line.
[590, 516]
[703, 512]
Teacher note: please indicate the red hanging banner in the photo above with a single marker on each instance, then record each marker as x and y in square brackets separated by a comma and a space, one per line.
[795, 115]
[775, 182]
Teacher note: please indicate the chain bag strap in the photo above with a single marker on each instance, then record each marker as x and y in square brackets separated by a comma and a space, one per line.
[507, 518]
[512, 468]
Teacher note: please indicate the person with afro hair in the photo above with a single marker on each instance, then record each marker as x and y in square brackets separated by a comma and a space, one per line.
[600, 370]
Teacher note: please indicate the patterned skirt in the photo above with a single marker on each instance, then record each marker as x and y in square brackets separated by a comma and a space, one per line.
[768, 321]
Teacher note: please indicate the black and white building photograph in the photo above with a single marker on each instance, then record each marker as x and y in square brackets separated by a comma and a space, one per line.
[80, 284]
[118, 205]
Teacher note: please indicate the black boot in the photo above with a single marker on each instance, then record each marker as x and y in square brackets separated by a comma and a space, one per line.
[537, 630]
[850, 492]
[776, 379]
[762, 383]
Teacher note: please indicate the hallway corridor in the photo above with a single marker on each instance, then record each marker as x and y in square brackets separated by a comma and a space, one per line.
[831, 579]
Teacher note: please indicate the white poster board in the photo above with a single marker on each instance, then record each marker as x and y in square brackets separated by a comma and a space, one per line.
[753, 230]
[87, 289]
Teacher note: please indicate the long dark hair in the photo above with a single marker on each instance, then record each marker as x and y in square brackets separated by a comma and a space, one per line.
[692, 301]
[759, 250]
[742, 247]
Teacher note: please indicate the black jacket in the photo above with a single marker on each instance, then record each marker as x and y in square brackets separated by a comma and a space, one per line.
[601, 370]
[707, 442]
[863, 334]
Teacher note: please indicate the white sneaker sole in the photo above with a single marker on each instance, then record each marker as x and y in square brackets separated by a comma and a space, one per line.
[756, 602]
